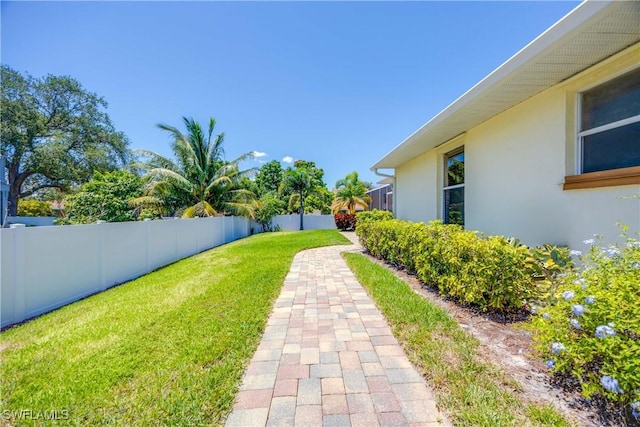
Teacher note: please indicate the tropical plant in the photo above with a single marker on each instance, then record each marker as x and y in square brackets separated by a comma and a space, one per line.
[345, 222]
[200, 182]
[303, 189]
[300, 182]
[351, 193]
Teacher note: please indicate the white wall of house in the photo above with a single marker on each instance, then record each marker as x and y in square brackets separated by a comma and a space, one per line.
[515, 164]
[416, 192]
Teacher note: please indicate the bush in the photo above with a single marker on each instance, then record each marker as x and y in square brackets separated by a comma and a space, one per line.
[345, 222]
[373, 215]
[590, 328]
[268, 207]
[489, 272]
[33, 207]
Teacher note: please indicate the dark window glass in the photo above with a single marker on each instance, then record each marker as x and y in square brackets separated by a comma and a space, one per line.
[612, 101]
[454, 197]
[612, 149]
[455, 170]
[454, 206]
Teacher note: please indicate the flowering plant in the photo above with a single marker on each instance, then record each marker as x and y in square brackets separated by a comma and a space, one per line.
[590, 329]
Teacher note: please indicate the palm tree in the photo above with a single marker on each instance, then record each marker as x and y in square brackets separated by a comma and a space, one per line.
[300, 182]
[199, 181]
[351, 193]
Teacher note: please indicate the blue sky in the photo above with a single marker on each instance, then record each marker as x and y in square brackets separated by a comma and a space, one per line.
[338, 83]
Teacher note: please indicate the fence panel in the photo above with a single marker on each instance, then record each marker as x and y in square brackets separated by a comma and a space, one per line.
[32, 221]
[162, 243]
[310, 222]
[43, 268]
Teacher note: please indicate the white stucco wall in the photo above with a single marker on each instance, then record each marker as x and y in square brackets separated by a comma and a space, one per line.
[515, 164]
[416, 192]
[515, 167]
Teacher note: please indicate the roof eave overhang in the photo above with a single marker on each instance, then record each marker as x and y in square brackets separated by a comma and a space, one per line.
[444, 126]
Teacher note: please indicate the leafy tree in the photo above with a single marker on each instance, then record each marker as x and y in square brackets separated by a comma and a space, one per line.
[316, 173]
[53, 134]
[351, 193]
[269, 177]
[320, 200]
[33, 207]
[200, 182]
[106, 197]
[269, 206]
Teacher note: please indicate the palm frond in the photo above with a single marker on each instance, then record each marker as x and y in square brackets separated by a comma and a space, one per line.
[156, 160]
[200, 209]
[171, 177]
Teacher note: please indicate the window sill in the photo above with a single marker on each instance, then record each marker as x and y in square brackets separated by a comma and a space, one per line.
[610, 178]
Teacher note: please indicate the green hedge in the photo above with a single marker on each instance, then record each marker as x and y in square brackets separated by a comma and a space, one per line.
[373, 215]
[493, 273]
[588, 321]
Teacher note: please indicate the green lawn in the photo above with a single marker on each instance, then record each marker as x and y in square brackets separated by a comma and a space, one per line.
[168, 348]
[472, 392]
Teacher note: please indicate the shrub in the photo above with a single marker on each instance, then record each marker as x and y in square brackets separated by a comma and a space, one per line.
[268, 207]
[345, 222]
[33, 207]
[590, 329]
[489, 272]
[373, 215]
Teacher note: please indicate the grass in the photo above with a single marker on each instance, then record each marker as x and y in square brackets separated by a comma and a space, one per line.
[472, 392]
[168, 348]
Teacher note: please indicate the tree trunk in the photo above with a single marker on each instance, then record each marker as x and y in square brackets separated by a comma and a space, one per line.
[301, 212]
[12, 202]
[15, 182]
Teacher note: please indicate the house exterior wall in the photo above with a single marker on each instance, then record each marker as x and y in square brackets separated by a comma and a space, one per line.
[515, 164]
[416, 191]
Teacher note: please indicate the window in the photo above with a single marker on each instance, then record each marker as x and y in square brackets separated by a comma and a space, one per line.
[453, 189]
[609, 134]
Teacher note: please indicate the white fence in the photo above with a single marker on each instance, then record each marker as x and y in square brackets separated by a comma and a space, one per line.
[33, 221]
[43, 268]
[310, 222]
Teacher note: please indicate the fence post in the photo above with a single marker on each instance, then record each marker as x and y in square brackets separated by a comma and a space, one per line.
[19, 266]
[101, 258]
[146, 244]
[176, 227]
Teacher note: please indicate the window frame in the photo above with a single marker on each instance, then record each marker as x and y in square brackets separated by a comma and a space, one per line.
[445, 158]
[605, 178]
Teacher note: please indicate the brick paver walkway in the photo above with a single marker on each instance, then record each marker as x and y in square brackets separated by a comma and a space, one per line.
[328, 358]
